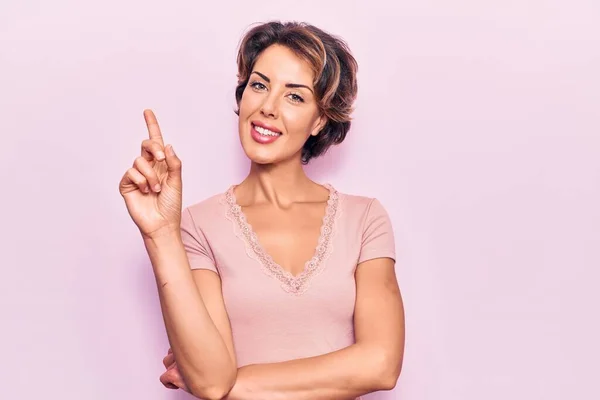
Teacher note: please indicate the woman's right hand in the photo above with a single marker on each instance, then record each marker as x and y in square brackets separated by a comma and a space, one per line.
[171, 378]
[152, 188]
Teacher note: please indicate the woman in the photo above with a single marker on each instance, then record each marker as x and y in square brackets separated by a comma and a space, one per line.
[279, 287]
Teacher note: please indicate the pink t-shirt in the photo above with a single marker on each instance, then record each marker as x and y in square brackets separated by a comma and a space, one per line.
[275, 316]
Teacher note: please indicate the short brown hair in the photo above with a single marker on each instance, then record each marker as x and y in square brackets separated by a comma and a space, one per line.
[333, 65]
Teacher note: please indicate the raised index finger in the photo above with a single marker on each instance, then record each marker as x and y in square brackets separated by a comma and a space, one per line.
[153, 128]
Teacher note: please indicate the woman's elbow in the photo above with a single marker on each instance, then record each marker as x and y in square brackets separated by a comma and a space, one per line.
[388, 372]
[214, 391]
[388, 382]
[210, 393]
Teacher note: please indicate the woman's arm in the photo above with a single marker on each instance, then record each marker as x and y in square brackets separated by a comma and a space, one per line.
[373, 363]
[195, 319]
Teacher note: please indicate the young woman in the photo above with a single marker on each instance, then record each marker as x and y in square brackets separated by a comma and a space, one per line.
[280, 287]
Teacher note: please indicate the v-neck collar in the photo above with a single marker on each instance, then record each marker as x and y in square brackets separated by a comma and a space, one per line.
[293, 284]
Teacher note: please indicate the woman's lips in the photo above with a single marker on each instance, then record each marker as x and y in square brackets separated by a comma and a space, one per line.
[261, 138]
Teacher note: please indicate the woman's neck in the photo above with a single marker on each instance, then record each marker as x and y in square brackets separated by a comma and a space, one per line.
[280, 184]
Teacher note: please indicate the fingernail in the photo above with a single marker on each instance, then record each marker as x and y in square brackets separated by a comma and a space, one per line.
[160, 155]
[171, 150]
[157, 187]
[146, 190]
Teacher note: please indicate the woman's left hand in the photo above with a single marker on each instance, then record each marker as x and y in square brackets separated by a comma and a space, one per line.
[171, 378]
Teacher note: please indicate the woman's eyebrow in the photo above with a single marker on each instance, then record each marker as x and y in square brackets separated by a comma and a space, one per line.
[289, 85]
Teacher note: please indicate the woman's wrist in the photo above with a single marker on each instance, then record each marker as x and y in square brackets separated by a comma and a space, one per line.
[166, 236]
[168, 257]
[164, 246]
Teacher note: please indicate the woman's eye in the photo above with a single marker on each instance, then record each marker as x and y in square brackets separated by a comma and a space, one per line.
[258, 86]
[296, 99]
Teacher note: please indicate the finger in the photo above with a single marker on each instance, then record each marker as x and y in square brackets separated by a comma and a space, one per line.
[133, 176]
[169, 351]
[151, 150]
[177, 379]
[173, 165]
[168, 360]
[143, 166]
[165, 379]
[172, 378]
[153, 128]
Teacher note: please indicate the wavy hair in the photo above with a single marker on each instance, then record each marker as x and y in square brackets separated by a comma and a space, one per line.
[334, 69]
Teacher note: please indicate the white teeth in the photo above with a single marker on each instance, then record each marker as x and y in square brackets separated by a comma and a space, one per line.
[264, 131]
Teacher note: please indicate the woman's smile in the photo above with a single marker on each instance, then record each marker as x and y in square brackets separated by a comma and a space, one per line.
[263, 133]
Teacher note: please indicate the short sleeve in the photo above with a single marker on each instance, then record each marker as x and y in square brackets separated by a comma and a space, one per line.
[377, 236]
[196, 246]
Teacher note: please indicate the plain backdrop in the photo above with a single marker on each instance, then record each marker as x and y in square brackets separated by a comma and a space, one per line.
[477, 126]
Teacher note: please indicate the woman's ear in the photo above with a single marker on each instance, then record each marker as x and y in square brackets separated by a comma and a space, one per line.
[319, 125]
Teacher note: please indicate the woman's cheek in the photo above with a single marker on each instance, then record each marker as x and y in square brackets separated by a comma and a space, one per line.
[298, 126]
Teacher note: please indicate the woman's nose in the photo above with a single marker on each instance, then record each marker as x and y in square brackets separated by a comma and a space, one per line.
[270, 107]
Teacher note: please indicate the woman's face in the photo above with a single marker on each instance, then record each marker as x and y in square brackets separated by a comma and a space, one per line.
[278, 109]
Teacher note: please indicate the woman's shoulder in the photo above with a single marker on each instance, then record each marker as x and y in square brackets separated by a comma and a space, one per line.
[367, 214]
[209, 205]
[362, 208]
[358, 203]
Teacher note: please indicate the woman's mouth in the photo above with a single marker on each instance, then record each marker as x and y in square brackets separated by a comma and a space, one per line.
[263, 135]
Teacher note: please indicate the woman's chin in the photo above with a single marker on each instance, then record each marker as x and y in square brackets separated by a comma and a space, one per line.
[266, 154]
[261, 157]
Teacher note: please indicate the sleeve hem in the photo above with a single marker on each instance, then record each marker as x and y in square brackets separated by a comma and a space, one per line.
[377, 254]
[205, 267]
[203, 264]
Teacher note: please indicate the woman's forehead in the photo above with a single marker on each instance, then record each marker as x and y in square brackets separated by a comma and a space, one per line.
[279, 63]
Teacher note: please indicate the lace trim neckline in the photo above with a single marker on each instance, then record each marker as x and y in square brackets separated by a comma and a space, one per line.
[295, 284]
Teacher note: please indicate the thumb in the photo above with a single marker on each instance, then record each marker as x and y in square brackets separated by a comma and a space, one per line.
[173, 166]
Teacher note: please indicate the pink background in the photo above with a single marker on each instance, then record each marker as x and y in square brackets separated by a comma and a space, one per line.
[477, 127]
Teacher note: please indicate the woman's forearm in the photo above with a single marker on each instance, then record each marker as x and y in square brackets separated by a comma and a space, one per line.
[344, 374]
[201, 353]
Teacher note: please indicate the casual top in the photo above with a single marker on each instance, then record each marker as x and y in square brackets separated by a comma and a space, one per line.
[275, 316]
